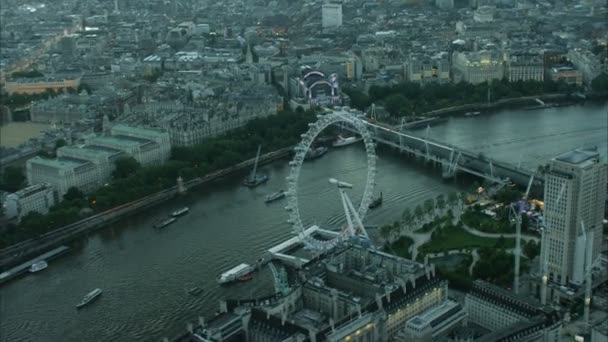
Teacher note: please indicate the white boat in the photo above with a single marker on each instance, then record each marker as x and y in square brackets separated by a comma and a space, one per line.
[180, 212]
[91, 296]
[235, 273]
[165, 223]
[472, 114]
[314, 153]
[274, 196]
[38, 266]
[345, 141]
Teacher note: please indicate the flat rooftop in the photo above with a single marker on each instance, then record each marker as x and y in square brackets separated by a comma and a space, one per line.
[90, 151]
[578, 156]
[59, 163]
[119, 140]
[138, 131]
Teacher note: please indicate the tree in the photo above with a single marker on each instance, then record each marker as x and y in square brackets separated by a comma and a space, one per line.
[59, 143]
[85, 87]
[395, 103]
[531, 249]
[125, 166]
[357, 98]
[429, 205]
[440, 202]
[407, 217]
[418, 212]
[452, 198]
[600, 83]
[386, 232]
[507, 195]
[12, 179]
[72, 194]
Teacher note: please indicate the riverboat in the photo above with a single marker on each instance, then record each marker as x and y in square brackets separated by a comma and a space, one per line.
[91, 296]
[165, 223]
[195, 291]
[180, 212]
[345, 141]
[274, 196]
[314, 153]
[38, 266]
[235, 273]
[376, 202]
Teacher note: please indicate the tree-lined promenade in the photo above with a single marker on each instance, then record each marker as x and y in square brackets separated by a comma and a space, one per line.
[408, 98]
[130, 181]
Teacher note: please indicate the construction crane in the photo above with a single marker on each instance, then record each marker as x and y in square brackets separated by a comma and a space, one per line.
[516, 210]
[525, 197]
[589, 266]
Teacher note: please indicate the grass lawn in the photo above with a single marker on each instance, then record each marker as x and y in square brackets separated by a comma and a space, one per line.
[486, 224]
[458, 238]
[400, 247]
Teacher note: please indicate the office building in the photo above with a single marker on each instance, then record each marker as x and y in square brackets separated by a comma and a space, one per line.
[90, 165]
[63, 173]
[478, 67]
[353, 293]
[434, 323]
[424, 68]
[39, 198]
[444, 4]
[587, 62]
[331, 15]
[575, 192]
[509, 317]
[484, 14]
[154, 148]
[102, 157]
[39, 86]
[146, 152]
[599, 332]
[566, 74]
[525, 67]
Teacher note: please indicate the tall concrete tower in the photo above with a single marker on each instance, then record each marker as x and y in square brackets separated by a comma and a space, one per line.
[575, 192]
[249, 55]
[106, 126]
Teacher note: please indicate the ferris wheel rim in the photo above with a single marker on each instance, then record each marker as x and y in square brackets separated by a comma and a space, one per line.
[301, 149]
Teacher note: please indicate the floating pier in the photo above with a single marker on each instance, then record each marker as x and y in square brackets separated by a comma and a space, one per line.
[24, 267]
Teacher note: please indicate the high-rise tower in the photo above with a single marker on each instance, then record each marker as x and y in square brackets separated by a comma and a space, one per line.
[575, 192]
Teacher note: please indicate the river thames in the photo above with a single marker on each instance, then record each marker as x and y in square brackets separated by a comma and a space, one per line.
[144, 273]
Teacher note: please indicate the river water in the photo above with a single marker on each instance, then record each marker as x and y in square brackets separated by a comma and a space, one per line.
[145, 273]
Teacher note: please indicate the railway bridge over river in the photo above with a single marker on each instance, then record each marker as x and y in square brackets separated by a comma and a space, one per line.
[452, 159]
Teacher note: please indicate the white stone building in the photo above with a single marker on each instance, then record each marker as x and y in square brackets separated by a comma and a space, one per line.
[63, 173]
[331, 15]
[154, 144]
[589, 64]
[103, 158]
[478, 67]
[39, 198]
[424, 69]
[89, 166]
